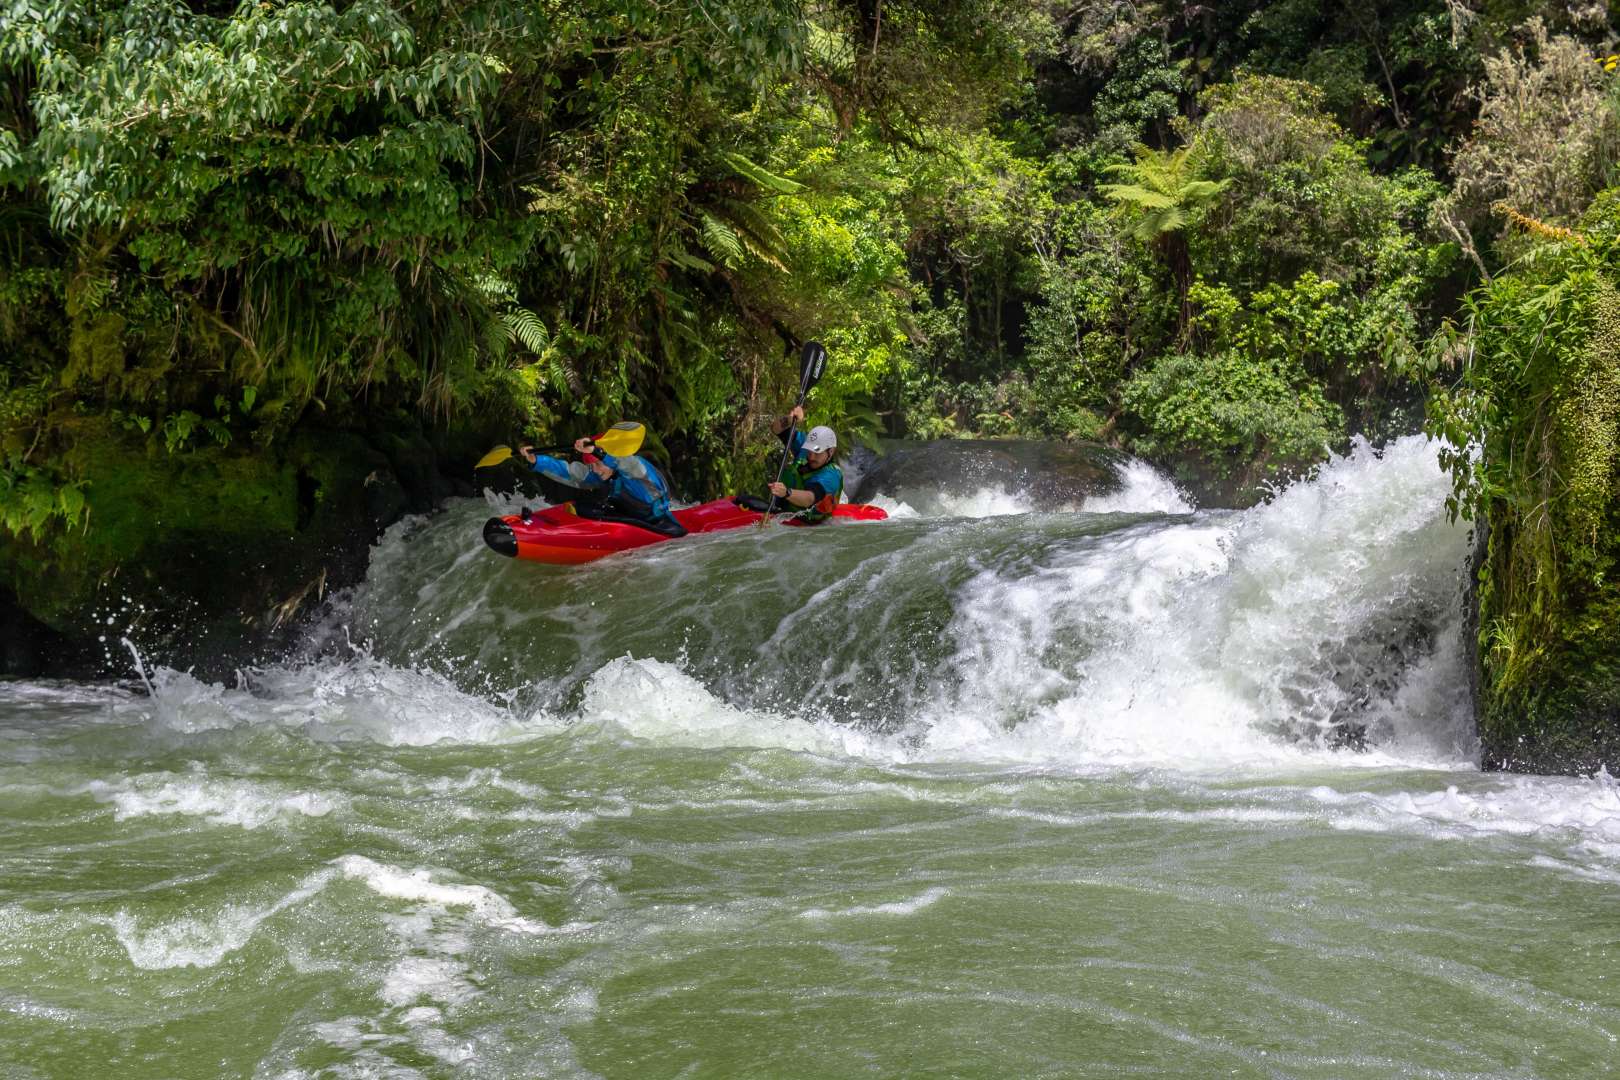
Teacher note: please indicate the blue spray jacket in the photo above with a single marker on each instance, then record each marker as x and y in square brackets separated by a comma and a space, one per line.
[635, 485]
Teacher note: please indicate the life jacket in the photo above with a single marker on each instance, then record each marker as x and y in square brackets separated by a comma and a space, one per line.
[637, 486]
[635, 490]
[829, 478]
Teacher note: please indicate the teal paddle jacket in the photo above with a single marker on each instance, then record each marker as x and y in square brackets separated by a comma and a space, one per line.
[825, 483]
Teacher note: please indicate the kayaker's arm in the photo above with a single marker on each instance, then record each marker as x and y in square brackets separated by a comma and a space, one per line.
[798, 497]
[793, 419]
[573, 473]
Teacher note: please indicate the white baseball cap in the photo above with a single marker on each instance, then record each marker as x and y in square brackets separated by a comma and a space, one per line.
[818, 439]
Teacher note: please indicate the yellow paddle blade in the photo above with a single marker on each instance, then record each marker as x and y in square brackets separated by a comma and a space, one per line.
[494, 457]
[622, 438]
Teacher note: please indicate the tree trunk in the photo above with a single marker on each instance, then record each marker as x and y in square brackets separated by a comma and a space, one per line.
[1177, 256]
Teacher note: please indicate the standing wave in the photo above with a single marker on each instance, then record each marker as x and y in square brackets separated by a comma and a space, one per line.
[1327, 618]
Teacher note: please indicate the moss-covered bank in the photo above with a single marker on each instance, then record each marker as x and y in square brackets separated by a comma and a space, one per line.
[1541, 398]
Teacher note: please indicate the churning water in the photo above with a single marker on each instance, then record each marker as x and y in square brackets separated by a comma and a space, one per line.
[1117, 789]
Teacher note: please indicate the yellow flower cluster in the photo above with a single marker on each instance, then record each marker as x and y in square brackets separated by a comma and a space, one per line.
[1609, 62]
[1536, 226]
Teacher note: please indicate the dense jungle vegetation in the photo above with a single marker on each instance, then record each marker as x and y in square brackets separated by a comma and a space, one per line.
[1225, 237]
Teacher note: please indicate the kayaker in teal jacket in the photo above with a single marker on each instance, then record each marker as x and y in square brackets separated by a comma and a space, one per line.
[812, 483]
[626, 487]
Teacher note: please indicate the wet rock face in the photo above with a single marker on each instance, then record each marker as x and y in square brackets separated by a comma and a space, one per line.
[1055, 474]
[209, 559]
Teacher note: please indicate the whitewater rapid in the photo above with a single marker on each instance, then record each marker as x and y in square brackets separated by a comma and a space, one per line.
[990, 788]
[1132, 630]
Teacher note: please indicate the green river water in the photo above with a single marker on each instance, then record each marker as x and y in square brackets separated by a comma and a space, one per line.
[1123, 790]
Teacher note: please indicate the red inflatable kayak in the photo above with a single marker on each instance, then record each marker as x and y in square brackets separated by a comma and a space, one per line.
[558, 535]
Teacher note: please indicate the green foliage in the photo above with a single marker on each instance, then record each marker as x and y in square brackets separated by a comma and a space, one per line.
[1534, 437]
[1163, 190]
[1298, 194]
[32, 500]
[1101, 309]
[1142, 97]
[226, 221]
[1247, 401]
[1241, 414]
[1546, 142]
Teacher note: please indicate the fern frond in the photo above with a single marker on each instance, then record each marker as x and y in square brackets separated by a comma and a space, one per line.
[494, 286]
[525, 326]
[721, 240]
[687, 261]
[1138, 196]
[763, 177]
[757, 233]
[1201, 191]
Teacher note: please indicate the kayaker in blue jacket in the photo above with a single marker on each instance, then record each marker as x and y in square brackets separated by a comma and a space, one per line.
[627, 487]
[812, 483]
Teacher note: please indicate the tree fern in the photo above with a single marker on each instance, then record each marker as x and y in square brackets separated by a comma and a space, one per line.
[754, 231]
[1162, 189]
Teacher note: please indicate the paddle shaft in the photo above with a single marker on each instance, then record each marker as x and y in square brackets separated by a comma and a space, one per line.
[787, 451]
[812, 361]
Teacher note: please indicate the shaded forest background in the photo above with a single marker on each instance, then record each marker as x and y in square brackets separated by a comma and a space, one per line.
[1218, 234]
[262, 262]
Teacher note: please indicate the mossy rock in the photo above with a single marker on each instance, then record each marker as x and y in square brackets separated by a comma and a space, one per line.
[1566, 717]
[1053, 474]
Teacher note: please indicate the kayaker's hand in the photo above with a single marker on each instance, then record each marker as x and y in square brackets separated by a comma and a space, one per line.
[796, 414]
[779, 489]
[586, 445]
[527, 453]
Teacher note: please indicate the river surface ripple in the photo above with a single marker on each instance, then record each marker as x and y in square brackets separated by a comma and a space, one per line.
[1131, 789]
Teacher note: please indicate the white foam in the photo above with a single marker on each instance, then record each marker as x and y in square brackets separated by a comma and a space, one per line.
[1143, 490]
[1512, 806]
[346, 1033]
[1233, 638]
[893, 507]
[437, 978]
[203, 942]
[658, 702]
[360, 699]
[418, 884]
[248, 804]
[578, 1004]
[897, 907]
[982, 502]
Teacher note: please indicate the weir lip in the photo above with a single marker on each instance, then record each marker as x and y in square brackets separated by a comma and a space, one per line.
[498, 535]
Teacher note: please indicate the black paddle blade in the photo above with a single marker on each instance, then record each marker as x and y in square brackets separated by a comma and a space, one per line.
[812, 364]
